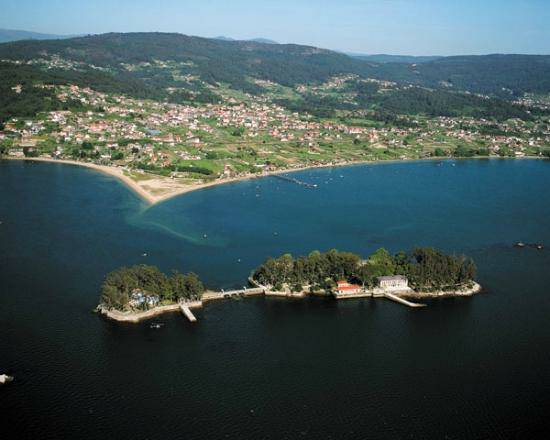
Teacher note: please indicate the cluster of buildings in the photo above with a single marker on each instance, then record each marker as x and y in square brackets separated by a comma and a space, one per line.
[140, 299]
[386, 284]
[240, 137]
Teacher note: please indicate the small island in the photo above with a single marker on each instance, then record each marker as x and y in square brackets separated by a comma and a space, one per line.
[424, 272]
[132, 294]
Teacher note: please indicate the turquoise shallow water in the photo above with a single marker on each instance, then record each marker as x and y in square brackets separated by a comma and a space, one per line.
[268, 368]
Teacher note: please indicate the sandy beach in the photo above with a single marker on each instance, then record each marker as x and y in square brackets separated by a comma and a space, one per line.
[156, 189]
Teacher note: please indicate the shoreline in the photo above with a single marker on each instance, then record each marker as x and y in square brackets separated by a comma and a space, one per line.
[476, 288]
[137, 317]
[175, 190]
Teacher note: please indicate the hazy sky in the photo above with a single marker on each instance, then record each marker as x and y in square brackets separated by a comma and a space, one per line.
[416, 27]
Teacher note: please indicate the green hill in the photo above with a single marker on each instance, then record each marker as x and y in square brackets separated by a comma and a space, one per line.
[236, 62]
[181, 68]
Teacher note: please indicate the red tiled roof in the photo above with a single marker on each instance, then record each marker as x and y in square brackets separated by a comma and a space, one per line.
[347, 286]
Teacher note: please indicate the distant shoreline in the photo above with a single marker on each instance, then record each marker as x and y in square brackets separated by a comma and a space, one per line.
[146, 193]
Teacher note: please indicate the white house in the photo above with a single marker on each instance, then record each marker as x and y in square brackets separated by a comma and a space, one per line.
[394, 282]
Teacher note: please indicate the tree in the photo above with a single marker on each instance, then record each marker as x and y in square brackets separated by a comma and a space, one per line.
[177, 282]
[117, 287]
[463, 151]
[238, 132]
[193, 286]
[117, 155]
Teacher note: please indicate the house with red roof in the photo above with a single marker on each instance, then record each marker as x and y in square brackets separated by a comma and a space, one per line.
[344, 289]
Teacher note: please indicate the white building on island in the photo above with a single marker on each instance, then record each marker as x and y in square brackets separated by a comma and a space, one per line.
[393, 283]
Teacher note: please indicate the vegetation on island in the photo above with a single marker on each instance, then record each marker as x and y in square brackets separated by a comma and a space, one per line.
[427, 269]
[148, 281]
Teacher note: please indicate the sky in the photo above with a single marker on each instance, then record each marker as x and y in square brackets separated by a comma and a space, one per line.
[405, 27]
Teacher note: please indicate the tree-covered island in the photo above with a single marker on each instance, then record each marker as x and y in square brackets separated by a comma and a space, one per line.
[143, 287]
[140, 292]
[425, 269]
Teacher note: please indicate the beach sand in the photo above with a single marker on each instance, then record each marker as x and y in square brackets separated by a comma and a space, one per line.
[155, 189]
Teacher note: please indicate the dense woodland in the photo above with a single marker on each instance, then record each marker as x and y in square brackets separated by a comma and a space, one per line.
[409, 101]
[233, 62]
[119, 285]
[426, 269]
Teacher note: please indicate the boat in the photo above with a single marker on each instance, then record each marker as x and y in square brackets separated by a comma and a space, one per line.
[156, 325]
[4, 378]
[519, 244]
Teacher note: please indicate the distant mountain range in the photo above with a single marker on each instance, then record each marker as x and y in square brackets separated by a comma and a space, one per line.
[256, 40]
[180, 68]
[7, 35]
[153, 64]
[384, 58]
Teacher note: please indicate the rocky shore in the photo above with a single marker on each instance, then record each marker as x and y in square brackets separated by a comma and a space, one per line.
[135, 317]
[467, 291]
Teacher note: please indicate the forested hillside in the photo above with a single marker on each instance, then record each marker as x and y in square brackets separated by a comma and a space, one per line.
[235, 62]
[179, 68]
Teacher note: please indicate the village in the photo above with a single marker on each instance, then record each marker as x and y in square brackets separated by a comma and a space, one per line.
[250, 136]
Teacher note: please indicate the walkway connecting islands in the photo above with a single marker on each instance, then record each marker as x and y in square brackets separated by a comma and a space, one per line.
[259, 289]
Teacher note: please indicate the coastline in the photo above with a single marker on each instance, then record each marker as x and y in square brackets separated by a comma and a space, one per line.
[135, 317]
[173, 189]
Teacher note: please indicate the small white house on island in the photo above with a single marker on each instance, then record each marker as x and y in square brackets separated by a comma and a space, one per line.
[393, 282]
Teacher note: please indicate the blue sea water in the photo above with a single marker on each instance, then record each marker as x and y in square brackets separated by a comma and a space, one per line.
[270, 368]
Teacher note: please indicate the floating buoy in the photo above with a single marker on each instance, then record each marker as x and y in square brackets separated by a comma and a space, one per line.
[205, 236]
[144, 254]
[4, 378]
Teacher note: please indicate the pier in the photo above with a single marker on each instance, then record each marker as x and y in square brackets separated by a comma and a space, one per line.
[400, 300]
[187, 312]
[257, 289]
[293, 180]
